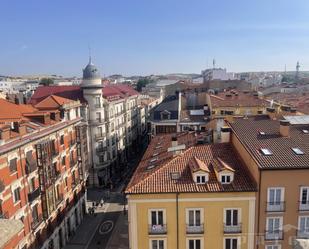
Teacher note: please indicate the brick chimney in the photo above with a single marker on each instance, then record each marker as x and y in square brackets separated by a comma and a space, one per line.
[174, 141]
[284, 128]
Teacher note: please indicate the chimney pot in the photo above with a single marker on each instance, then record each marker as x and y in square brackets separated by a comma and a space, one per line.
[284, 128]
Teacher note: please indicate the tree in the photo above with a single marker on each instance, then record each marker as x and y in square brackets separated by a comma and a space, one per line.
[46, 81]
[142, 83]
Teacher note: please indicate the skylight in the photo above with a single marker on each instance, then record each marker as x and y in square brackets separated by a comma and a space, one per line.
[155, 154]
[262, 133]
[151, 166]
[298, 151]
[175, 175]
[305, 131]
[266, 152]
[153, 160]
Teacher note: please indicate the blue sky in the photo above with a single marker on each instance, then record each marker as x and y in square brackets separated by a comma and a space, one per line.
[152, 36]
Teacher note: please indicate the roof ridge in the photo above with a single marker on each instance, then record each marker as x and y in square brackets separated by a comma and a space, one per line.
[163, 166]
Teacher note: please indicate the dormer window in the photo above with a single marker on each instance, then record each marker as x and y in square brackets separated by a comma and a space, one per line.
[165, 115]
[226, 178]
[200, 179]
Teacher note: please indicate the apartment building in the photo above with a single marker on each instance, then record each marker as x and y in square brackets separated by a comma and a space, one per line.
[186, 194]
[115, 119]
[276, 153]
[43, 164]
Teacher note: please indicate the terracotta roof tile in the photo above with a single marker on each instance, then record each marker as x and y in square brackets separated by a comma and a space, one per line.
[159, 180]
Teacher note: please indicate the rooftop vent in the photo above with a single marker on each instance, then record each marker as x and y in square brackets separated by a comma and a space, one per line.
[305, 131]
[155, 154]
[153, 159]
[262, 133]
[175, 175]
[266, 152]
[151, 166]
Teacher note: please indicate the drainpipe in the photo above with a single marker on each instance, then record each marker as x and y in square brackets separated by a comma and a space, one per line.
[177, 221]
[259, 210]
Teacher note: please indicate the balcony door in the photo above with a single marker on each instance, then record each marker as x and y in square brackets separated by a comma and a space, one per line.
[157, 217]
[304, 225]
[231, 217]
[194, 217]
[274, 225]
[275, 196]
[304, 198]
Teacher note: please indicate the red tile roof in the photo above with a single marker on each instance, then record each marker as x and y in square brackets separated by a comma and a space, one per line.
[10, 112]
[52, 102]
[235, 98]
[159, 180]
[249, 131]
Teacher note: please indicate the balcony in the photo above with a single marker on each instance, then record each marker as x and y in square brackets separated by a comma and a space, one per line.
[34, 195]
[304, 206]
[98, 106]
[99, 136]
[59, 200]
[100, 150]
[273, 235]
[232, 228]
[275, 206]
[301, 234]
[36, 222]
[195, 229]
[157, 229]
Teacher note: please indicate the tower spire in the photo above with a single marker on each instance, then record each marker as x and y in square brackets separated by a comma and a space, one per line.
[90, 59]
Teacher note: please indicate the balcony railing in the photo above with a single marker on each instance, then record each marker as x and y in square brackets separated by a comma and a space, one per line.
[303, 234]
[157, 229]
[34, 195]
[99, 136]
[232, 228]
[275, 206]
[195, 229]
[273, 235]
[101, 149]
[36, 222]
[59, 200]
[304, 206]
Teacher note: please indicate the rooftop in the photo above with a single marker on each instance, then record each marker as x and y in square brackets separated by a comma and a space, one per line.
[158, 179]
[235, 98]
[268, 147]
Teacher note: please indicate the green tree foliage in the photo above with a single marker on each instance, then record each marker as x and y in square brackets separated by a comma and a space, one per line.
[46, 81]
[142, 83]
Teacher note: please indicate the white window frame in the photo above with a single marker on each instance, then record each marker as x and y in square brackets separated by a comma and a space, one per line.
[299, 218]
[272, 246]
[156, 210]
[238, 215]
[275, 217]
[164, 242]
[195, 209]
[195, 238]
[301, 193]
[238, 241]
[200, 176]
[275, 188]
[231, 175]
[13, 194]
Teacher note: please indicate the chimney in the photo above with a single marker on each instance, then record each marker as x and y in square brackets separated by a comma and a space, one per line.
[225, 134]
[174, 141]
[284, 128]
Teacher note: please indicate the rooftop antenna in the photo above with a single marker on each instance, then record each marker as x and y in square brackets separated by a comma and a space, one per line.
[214, 63]
[297, 71]
[284, 69]
[89, 50]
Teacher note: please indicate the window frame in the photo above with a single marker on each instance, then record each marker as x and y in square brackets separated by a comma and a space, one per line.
[272, 246]
[194, 238]
[158, 239]
[281, 196]
[156, 210]
[301, 194]
[275, 217]
[14, 197]
[232, 238]
[195, 209]
[238, 215]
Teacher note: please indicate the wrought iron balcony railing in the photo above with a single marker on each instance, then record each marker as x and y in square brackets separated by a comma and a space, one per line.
[229, 228]
[157, 229]
[275, 206]
[195, 229]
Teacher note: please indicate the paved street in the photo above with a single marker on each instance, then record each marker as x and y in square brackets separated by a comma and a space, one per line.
[96, 230]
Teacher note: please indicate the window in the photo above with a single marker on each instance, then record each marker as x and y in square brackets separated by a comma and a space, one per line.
[194, 244]
[275, 196]
[194, 217]
[201, 179]
[226, 179]
[231, 243]
[13, 165]
[232, 217]
[62, 139]
[98, 101]
[32, 184]
[157, 244]
[35, 213]
[101, 159]
[16, 195]
[266, 152]
[98, 116]
[304, 195]
[273, 247]
[303, 226]
[99, 131]
[298, 151]
[157, 217]
[76, 112]
[63, 160]
[305, 131]
[274, 227]
[66, 181]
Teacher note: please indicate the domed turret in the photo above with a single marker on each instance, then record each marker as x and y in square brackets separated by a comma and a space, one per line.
[91, 76]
